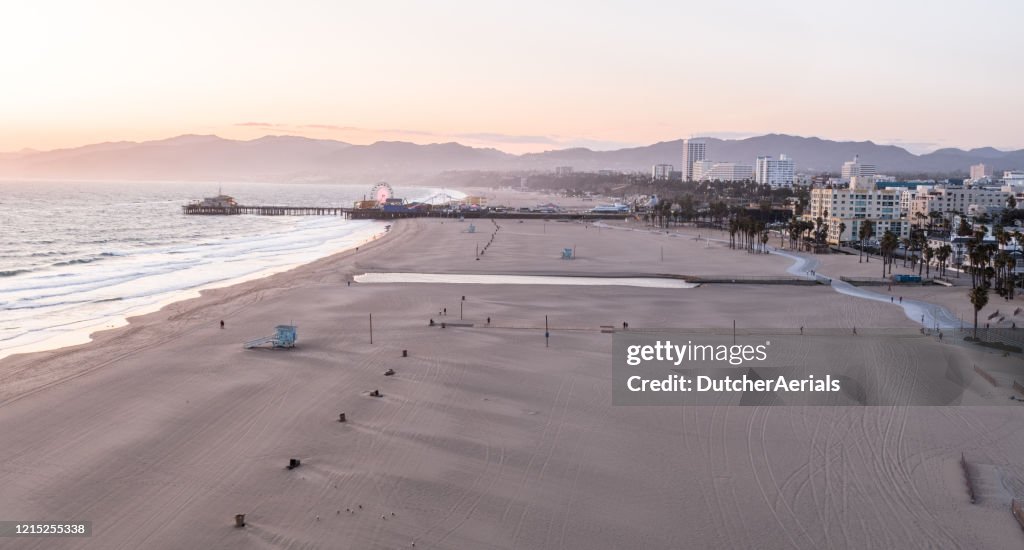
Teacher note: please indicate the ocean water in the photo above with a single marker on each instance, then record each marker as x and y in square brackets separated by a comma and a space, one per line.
[80, 257]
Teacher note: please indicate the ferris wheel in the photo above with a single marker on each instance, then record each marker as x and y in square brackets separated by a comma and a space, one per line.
[381, 192]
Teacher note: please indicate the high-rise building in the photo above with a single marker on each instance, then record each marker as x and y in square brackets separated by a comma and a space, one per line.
[855, 168]
[563, 170]
[980, 171]
[693, 150]
[774, 172]
[661, 171]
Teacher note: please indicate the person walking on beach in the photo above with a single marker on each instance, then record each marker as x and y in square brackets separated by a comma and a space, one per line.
[222, 323]
[446, 311]
[901, 299]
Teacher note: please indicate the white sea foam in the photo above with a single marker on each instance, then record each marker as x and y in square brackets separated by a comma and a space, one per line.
[64, 278]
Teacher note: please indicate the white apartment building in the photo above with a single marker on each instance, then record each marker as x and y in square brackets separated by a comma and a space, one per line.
[852, 205]
[661, 171]
[694, 150]
[946, 200]
[1013, 184]
[698, 168]
[777, 173]
[722, 171]
[856, 169]
[1013, 177]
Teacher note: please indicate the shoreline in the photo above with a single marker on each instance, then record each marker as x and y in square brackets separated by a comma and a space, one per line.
[91, 327]
[199, 299]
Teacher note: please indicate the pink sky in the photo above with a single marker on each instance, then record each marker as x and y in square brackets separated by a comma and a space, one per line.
[527, 76]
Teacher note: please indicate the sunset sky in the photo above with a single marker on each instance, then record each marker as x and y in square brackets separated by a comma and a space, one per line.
[517, 76]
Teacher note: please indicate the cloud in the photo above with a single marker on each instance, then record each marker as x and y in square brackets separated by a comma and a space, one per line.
[506, 138]
[357, 129]
[728, 134]
[332, 127]
[916, 147]
[258, 124]
[498, 138]
[597, 144]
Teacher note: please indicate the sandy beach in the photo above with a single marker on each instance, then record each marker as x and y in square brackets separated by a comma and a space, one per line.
[161, 431]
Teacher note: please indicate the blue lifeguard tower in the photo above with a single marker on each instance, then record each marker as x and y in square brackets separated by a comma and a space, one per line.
[284, 337]
[567, 254]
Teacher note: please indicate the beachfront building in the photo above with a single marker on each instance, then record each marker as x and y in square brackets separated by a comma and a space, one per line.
[722, 171]
[662, 171]
[848, 207]
[563, 170]
[774, 172]
[694, 150]
[857, 169]
[946, 200]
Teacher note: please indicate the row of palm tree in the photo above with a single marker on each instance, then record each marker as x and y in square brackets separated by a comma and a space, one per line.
[748, 234]
[991, 266]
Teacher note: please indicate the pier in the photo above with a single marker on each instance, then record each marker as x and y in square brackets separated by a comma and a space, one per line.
[207, 210]
[388, 213]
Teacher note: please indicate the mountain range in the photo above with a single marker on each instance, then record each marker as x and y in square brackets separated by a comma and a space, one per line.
[293, 158]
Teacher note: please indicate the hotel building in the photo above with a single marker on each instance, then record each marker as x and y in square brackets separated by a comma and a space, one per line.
[854, 204]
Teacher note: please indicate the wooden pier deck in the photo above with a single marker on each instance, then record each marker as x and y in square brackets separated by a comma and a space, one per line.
[200, 210]
[382, 214]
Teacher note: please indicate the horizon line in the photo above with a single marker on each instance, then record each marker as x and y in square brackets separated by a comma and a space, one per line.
[28, 151]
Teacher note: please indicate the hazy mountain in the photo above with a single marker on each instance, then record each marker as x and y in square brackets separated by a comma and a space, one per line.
[291, 158]
[182, 157]
[809, 154]
[386, 158]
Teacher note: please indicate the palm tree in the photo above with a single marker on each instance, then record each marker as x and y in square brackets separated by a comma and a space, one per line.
[942, 255]
[918, 216]
[979, 299]
[866, 230]
[842, 229]
[888, 246]
[928, 253]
